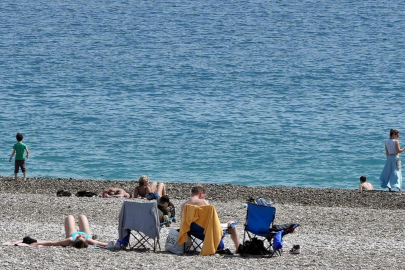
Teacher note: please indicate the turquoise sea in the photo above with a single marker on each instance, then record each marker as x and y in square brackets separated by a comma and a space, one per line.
[254, 92]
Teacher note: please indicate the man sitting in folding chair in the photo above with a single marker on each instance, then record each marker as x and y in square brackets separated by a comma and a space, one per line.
[204, 219]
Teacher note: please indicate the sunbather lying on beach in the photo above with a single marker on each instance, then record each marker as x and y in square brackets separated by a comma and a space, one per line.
[198, 193]
[144, 189]
[114, 192]
[77, 239]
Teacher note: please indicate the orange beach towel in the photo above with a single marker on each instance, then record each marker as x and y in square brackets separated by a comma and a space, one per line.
[205, 216]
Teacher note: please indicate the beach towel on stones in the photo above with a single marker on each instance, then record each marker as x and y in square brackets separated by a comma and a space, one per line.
[85, 193]
[63, 193]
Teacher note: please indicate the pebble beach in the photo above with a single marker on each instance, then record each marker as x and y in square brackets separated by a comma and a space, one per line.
[339, 229]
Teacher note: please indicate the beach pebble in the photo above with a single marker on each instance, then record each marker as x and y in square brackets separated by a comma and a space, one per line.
[339, 229]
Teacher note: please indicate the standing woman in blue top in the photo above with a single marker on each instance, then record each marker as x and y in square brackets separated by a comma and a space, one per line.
[391, 176]
[77, 239]
[19, 149]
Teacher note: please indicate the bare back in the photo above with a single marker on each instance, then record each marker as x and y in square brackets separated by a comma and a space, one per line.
[197, 201]
[141, 191]
[366, 186]
[194, 201]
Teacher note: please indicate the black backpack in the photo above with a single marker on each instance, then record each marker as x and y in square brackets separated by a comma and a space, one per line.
[253, 247]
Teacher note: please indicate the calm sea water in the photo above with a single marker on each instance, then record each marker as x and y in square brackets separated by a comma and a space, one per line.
[280, 93]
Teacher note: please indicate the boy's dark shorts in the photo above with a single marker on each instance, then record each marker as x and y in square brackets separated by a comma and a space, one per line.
[18, 164]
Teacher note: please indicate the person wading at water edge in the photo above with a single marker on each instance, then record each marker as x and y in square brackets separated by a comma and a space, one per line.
[391, 176]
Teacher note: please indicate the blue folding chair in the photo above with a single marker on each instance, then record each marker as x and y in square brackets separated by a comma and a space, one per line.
[259, 220]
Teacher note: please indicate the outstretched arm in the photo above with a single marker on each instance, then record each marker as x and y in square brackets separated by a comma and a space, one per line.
[104, 194]
[95, 242]
[63, 243]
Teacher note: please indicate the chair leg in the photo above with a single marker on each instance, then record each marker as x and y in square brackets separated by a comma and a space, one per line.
[158, 242]
[142, 241]
[194, 245]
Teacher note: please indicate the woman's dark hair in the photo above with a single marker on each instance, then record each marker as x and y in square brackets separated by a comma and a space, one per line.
[19, 137]
[393, 132]
[80, 244]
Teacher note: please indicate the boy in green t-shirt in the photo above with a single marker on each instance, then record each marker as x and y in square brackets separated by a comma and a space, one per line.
[20, 157]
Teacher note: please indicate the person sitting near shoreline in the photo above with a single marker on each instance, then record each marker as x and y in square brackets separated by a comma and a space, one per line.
[114, 193]
[198, 194]
[364, 185]
[77, 239]
[144, 189]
